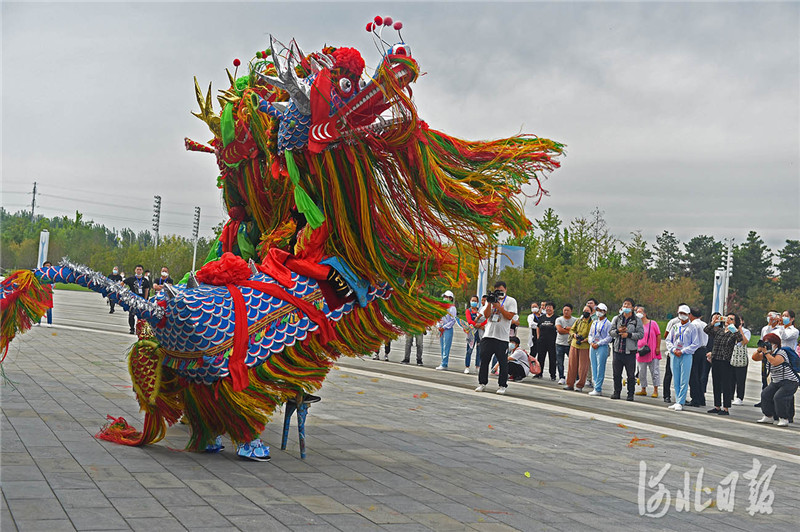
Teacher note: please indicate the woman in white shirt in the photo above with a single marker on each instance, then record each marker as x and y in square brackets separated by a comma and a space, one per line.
[788, 332]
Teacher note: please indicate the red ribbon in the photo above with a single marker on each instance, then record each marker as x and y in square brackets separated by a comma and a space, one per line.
[241, 341]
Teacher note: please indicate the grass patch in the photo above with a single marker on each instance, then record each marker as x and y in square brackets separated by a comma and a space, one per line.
[73, 287]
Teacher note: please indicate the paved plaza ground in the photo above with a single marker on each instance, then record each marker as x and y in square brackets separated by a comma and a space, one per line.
[390, 447]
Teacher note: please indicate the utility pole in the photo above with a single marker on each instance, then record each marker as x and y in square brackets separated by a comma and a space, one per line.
[156, 216]
[195, 232]
[33, 202]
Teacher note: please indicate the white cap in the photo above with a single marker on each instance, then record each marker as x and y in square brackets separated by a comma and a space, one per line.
[602, 306]
[684, 309]
[448, 293]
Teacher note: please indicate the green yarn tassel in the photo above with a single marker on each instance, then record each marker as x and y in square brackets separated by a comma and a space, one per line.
[227, 125]
[304, 203]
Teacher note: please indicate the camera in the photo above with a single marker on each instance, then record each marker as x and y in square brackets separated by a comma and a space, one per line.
[493, 297]
[765, 344]
[580, 338]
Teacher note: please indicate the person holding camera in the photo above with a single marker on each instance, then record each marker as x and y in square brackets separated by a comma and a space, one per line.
[786, 330]
[682, 341]
[725, 340]
[477, 321]
[739, 363]
[777, 398]
[500, 309]
[626, 330]
[578, 366]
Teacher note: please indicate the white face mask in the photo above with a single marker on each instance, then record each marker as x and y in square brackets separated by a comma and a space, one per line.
[534, 309]
[164, 274]
[639, 315]
[683, 317]
[600, 313]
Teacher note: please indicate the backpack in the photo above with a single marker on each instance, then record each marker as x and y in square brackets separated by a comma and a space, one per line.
[535, 367]
[792, 360]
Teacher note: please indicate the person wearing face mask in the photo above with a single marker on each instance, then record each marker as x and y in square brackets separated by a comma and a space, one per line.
[478, 323]
[498, 314]
[699, 362]
[563, 329]
[592, 304]
[117, 278]
[446, 330]
[599, 338]
[739, 363]
[158, 284]
[786, 330]
[626, 330]
[682, 341]
[140, 286]
[777, 398]
[725, 339]
[773, 321]
[546, 344]
[578, 366]
[671, 324]
[533, 325]
[648, 355]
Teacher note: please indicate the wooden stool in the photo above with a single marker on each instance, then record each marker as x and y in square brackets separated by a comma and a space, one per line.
[302, 411]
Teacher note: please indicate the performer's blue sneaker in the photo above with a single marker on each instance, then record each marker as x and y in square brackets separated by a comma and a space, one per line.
[216, 446]
[255, 450]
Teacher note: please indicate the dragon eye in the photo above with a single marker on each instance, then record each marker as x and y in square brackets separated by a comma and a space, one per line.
[400, 49]
[345, 85]
[361, 84]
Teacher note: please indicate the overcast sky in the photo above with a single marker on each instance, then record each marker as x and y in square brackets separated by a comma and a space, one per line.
[683, 117]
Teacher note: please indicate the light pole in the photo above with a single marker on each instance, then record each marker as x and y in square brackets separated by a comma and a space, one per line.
[156, 216]
[195, 232]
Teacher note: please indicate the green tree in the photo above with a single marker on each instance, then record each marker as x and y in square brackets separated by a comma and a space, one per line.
[752, 265]
[667, 263]
[789, 265]
[604, 244]
[637, 257]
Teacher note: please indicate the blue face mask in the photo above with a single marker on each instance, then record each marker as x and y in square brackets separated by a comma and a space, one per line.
[626, 310]
[732, 327]
[718, 324]
[473, 304]
[786, 320]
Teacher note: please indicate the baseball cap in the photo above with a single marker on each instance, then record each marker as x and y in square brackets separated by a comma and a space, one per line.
[684, 309]
[602, 306]
[448, 293]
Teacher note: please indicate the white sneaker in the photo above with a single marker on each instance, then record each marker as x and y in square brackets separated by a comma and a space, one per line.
[562, 381]
[765, 419]
[579, 389]
[466, 371]
[782, 422]
[376, 357]
[672, 406]
[502, 391]
[595, 393]
[440, 368]
[480, 388]
[737, 402]
[678, 407]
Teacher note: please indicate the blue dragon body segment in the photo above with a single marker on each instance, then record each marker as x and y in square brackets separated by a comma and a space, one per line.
[195, 326]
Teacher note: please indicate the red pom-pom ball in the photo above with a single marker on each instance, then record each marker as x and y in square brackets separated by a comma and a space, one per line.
[369, 27]
[378, 20]
[236, 62]
[387, 21]
[398, 25]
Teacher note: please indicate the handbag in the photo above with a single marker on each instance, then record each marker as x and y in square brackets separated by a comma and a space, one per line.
[645, 349]
[739, 356]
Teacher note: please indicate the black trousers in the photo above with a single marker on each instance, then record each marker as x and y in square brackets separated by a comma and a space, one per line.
[498, 348]
[547, 348]
[516, 371]
[132, 320]
[627, 361]
[739, 379]
[764, 373]
[704, 375]
[777, 399]
[695, 383]
[722, 373]
[667, 379]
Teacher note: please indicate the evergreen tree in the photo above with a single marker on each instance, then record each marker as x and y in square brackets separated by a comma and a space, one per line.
[637, 257]
[667, 264]
[789, 265]
[752, 264]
